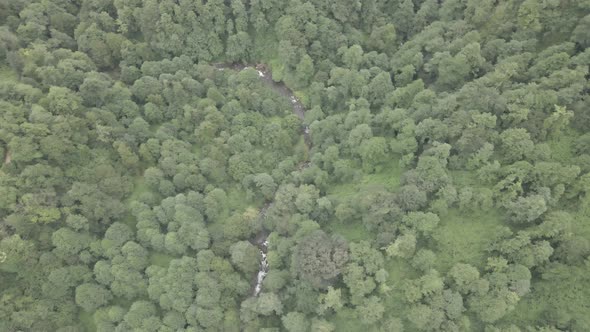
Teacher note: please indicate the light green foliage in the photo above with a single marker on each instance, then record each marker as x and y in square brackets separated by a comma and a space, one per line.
[371, 310]
[528, 15]
[418, 165]
[269, 303]
[373, 152]
[423, 223]
[332, 300]
[527, 209]
[466, 278]
[295, 322]
[359, 283]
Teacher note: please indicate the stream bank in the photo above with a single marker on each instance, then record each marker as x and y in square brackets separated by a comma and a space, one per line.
[261, 238]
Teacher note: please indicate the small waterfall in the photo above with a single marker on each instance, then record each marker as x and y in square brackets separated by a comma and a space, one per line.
[263, 268]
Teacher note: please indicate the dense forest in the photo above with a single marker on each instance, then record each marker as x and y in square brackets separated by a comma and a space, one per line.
[268, 165]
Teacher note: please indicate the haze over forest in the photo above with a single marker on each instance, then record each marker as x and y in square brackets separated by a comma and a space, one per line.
[268, 165]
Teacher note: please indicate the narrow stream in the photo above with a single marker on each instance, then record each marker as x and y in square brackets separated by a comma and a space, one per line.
[265, 75]
[260, 240]
[263, 270]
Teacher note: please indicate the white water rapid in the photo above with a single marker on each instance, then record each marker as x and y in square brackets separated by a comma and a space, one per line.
[263, 270]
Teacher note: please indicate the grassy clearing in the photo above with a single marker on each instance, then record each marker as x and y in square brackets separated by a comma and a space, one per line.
[388, 178]
[351, 232]
[464, 237]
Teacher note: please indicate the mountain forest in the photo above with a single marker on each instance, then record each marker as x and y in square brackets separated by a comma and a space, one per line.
[302, 165]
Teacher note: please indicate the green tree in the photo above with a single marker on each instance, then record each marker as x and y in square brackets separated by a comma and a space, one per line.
[516, 144]
[69, 243]
[578, 35]
[295, 322]
[422, 222]
[142, 316]
[404, 246]
[92, 296]
[332, 300]
[411, 198]
[352, 56]
[527, 209]
[453, 71]
[528, 16]
[237, 46]
[373, 152]
[269, 303]
[245, 256]
[304, 71]
[379, 87]
[371, 311]
[466, 279]
[215, 203]
[266, 184]
[306, 198]
[383, 38]
[319, 258]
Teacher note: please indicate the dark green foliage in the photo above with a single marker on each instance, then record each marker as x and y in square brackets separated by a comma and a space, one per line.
[412, 164]
[318, 258]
